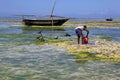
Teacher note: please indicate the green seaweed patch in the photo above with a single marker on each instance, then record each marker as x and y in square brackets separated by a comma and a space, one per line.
[43, 28]
[110, 59]
[85, 56]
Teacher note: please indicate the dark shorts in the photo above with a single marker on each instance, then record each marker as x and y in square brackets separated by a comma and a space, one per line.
[78, 31]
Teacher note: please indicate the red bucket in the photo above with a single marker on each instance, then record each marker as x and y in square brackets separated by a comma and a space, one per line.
[85, 40]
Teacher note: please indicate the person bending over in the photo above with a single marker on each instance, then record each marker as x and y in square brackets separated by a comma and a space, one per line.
[79, 32]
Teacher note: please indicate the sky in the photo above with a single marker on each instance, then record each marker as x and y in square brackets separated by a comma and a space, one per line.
[68, 8]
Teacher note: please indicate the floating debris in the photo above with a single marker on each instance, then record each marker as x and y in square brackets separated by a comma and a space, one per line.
[56, 37]
[67, 35]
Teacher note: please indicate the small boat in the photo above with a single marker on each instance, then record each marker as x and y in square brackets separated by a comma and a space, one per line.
[50, 21]
[109, 19]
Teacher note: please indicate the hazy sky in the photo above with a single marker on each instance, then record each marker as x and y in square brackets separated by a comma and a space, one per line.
[69, 8]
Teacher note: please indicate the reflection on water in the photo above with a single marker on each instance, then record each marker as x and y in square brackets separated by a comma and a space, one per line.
[20, 59]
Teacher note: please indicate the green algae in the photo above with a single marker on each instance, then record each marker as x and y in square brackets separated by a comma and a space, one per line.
[86, 56]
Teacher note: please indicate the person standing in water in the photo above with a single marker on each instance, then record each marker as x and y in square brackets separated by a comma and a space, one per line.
[79, 32]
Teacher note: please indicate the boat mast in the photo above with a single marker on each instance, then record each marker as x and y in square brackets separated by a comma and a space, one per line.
[53, 8]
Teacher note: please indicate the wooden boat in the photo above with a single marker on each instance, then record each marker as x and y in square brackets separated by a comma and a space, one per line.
[46, 22]
[50, 21]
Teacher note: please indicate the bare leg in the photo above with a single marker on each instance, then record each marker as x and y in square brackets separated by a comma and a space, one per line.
[78, 38]
[82, 41]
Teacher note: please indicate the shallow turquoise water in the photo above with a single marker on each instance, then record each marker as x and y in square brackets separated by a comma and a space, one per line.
[21, 59]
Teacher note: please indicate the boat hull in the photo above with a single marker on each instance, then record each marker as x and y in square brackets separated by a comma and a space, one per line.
[56, 22]
[110, 19]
